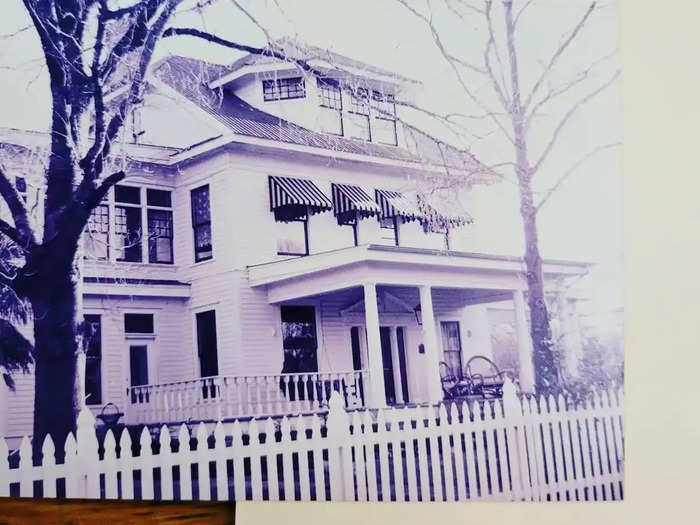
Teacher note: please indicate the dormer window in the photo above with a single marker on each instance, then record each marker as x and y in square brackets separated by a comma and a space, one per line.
[384, 118]
[358, 115]
[284, 89]
[331, 103]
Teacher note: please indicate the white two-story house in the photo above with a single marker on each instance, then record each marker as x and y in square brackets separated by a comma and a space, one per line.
[278, 237]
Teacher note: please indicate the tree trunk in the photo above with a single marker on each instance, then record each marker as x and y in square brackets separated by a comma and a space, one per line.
[57, 396]
[543, 358]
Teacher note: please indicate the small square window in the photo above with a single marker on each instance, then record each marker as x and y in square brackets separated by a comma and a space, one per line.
[138, 323]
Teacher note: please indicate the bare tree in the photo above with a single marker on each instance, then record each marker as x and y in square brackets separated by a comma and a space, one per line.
[516, 114]
[92, 49]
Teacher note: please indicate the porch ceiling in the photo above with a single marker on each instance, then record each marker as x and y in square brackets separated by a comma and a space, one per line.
[397, 266]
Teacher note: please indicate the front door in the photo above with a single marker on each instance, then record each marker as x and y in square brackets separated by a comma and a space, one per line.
[138, 363]
[389, 390]
[206, 344]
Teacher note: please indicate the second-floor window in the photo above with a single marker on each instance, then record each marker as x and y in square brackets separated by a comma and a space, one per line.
[293, 237]
[127, 223]
[201, 223]
[331, 102]
[160, 226]
[357, 117]
[97, 239]
[389, 230]
[384, 118]
[283, 89]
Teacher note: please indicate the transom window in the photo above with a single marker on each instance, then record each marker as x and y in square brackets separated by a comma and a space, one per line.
[138, 323]
[201, 223]
[284, 89]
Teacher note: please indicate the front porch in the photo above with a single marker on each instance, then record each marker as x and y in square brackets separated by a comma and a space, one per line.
[371, 322]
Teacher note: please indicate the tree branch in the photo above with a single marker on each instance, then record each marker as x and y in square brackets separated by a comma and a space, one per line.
[554, 93]
[9, 231]
[558, 53]
[24, 233]
[571, 170]
[566, 118]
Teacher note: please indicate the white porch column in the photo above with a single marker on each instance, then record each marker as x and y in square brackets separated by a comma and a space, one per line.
[525, 357]
[377, 396]
[570, 335]
[396, 366]
[430, 342]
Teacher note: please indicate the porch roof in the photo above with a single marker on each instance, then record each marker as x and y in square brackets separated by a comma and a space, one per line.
[399, 266]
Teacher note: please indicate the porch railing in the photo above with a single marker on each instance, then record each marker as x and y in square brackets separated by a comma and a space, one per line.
[221, 397]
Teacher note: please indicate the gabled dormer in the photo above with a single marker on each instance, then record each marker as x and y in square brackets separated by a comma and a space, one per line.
[351, 99]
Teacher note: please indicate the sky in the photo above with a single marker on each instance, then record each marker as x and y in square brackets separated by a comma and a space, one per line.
[582, 220]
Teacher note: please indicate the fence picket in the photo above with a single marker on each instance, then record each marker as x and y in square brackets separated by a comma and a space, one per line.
[395, 438]
[110, 466]
[456, 433]
[272, 474]
[48, 466]
[184, 463]
[317, 447]
[26, 486]
[145, 461]
[383, 458]
[238, 454]
[303, 458]
[126, 462]
[165, 457]
[444, 434]
[501, 465]
[287, 459]
[562, 423]
[369, 442]
[202, 458]
[490, 441]
[4, 469]
[359, 463]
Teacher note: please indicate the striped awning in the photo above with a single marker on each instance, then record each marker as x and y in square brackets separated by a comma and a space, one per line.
[292, 199]
[395, 204]
[352, 201]
[442, 211]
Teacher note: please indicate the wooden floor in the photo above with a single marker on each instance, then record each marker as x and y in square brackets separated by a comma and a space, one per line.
[48, 512]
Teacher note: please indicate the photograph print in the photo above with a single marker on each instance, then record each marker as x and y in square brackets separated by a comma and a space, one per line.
[311, 250]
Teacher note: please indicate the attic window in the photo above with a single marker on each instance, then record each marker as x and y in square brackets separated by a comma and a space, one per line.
[283, 89]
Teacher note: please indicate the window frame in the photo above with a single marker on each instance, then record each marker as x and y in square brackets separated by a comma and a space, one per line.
[331, 85]
[124, 205]
[305, 220]
[460, 352]
[197, 226]
[395, 226]
[140, 335]
[151, 240]
[378, 98]
[273, 89]
[104, 204]
[361, 108]
[88, 358]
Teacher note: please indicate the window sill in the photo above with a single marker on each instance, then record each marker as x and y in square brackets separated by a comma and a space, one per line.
[200, 263]
[139, 336]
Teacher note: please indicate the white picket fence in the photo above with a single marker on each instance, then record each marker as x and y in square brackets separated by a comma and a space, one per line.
[515, 449]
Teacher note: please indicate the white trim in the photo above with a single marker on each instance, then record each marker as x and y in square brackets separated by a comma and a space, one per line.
[137, 290]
